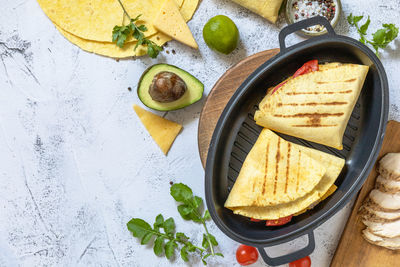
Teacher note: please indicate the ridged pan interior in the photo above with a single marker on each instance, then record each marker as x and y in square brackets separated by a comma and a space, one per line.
[237, 132]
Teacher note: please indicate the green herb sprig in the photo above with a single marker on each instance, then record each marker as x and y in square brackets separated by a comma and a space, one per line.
[121, 33]
[380, 39]
[166, 242]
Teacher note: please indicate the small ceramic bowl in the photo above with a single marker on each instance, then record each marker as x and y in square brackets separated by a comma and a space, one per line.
[289, 12]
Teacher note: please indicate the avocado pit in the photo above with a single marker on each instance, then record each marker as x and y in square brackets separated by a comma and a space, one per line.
[167, 87]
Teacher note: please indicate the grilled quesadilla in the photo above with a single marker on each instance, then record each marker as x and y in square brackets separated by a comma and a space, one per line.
[274, 172]
[323, 188]
[314, 104]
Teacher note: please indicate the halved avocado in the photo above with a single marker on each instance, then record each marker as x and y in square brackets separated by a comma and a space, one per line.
[193, 93]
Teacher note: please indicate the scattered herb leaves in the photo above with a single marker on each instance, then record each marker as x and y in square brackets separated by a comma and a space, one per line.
[121, 33]
[166, 242]
[380, 39]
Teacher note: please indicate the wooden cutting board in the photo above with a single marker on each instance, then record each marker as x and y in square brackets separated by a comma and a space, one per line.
[222, 92]
[353, 250]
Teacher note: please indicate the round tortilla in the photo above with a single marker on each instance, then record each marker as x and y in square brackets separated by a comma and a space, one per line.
[95, 19]
[110, 49]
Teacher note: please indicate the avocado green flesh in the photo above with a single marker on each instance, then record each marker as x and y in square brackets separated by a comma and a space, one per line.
[193, 93]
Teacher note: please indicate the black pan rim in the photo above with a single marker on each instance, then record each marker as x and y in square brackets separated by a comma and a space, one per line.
[357, 183]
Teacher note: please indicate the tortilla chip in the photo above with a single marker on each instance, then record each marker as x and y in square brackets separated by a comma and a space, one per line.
[314, 106]
[268, 9]
[162, 131]
[274, 172]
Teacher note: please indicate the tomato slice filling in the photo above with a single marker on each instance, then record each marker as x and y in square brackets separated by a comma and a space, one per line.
[278, 222]
[307, 67]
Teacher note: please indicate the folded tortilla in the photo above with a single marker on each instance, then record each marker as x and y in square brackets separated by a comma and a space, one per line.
[333, 165]
[274, 172]
[268, 9]
[314, 106]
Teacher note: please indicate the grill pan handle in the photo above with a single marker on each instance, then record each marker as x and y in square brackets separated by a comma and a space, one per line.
[292, 256]
[303, 24]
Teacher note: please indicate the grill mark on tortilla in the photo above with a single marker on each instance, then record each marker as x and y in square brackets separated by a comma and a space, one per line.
[277, 157]
[266, 171]
[312, 116]
[298, 172]
[319, 93]
[346, 81]
[287, 167]
[313, 104]
[314, 125]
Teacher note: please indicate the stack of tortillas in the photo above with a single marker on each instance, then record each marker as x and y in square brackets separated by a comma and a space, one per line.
[89, 23]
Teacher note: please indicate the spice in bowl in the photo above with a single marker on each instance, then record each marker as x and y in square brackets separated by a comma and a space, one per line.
[297, 10]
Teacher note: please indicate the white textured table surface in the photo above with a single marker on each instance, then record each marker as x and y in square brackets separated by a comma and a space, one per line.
[76, 163]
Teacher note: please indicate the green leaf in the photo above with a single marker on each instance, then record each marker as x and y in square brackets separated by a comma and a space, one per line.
[181, 236]
[142, 28]
[364, 27]
[169, 226]
[159, 220]
[185, 211]
[379, 36]
[213, 240]
[138, 227]
[204, 262]
[146, 238]
[190, 247]
[206, 256]
[181, 192]
[207, 215]
[350, 19]
[170, 249]
[159, 246]
[356, 19]
[219, 254]
[197, 201]
[135, 19]
[205, 243]
[392, 32]
[184, 254]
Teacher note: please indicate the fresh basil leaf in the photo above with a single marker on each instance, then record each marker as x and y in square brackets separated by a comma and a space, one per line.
[181, 192]
[185, 211]
[197, 201]
[184, 254]
[205, 243]
[146, 238]
[379, 37]
[212, 240]
[142, 28]
[219, 254]
[364, 27]
[159, 246]
[181, 236]
[170, 249]
[138, 227]
[356, 19]
[169, 226]
[392, 32]
[159, 220]
[207, 215]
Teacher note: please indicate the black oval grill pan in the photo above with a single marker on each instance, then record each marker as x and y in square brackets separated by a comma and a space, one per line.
[236, 132]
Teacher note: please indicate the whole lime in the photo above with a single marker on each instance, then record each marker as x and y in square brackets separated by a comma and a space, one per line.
[221, 34]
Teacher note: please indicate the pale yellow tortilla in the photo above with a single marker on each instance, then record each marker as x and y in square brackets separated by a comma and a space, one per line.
[333, 165]
[314, 106]
[111, 49]
[95, 19]
[274, 172]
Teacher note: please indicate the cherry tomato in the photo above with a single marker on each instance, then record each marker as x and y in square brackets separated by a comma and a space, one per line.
[246, 255]
[280, 221]
[303, 262]
[309, 66]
